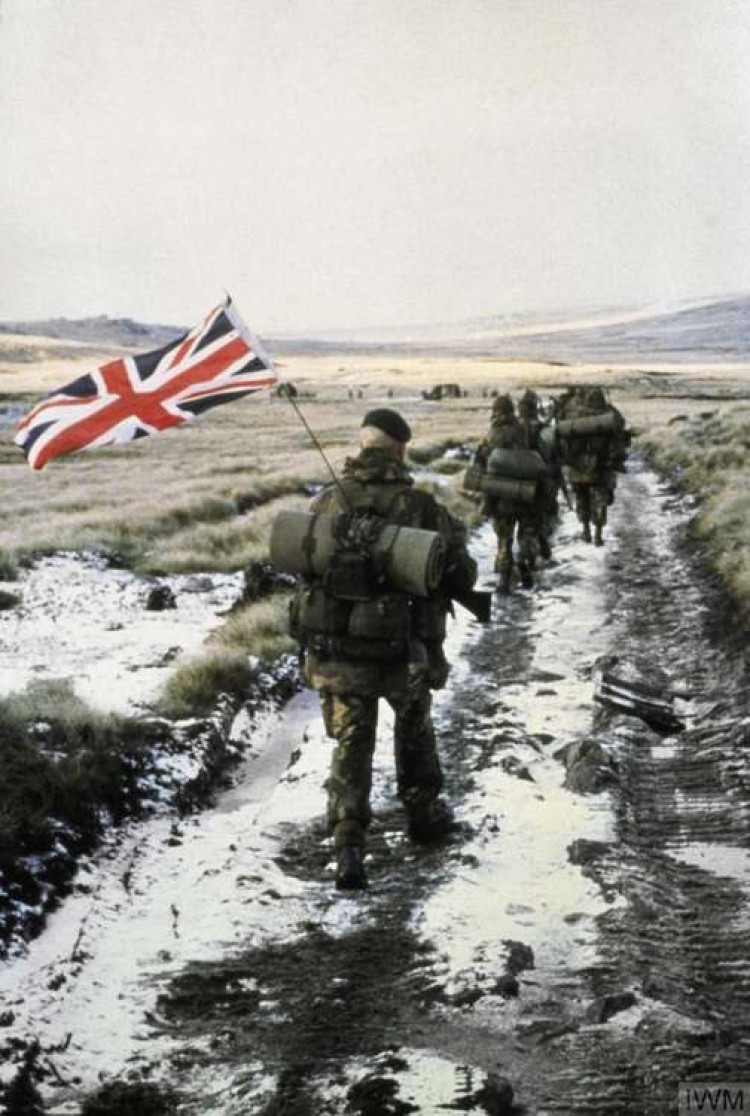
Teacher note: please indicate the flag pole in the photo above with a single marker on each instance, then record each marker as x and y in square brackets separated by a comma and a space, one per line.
[314, 439]
[261, 351]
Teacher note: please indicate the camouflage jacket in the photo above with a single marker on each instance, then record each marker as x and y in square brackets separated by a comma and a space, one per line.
[501, 435]
[374, 480]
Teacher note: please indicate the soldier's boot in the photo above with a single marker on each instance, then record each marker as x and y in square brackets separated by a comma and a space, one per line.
[430, 820]
[545, 550]
[526, 574]
[586, 531]
[598, 539]
[350, 868]
[504, 568]
[349, 838]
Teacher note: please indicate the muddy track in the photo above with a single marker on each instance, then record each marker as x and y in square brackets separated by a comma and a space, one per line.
[590, 948]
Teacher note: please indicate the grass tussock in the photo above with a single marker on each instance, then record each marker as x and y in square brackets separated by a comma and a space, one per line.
[228, 664]
[710, 455]
[65, 770]
[8, 566]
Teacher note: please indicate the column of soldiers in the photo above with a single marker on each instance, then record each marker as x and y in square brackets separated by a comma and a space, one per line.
[524, 527]
[358, 647]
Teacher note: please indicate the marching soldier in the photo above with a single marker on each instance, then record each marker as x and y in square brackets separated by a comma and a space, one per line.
[394, 651]
[507, 515]
[545, 505]
[593, 459]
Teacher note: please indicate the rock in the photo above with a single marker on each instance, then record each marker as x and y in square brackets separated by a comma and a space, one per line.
[589, 768]
[496, 1095]
[261, 580]
[465, 998]
[198, 583]
[8, 600]
[512, 765]
[7, 1019]
[607, 1006]
[506, 985]
[160, 598]
[520, 956]
[584, 851]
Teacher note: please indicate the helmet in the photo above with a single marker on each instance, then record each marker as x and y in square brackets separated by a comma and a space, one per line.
[595, 397]
[528, 403]
[503, 407]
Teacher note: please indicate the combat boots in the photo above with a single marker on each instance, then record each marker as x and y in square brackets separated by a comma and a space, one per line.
[350, 868]
[586, 532]
[504, 568]
[545, 550]
[428, 821]
[598, 539]
[526, 575]
[349, 839]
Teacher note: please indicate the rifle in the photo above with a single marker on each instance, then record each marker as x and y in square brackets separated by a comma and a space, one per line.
[479, 604]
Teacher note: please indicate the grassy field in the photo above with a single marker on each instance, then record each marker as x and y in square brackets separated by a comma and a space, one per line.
[203, 498]
[710, 455]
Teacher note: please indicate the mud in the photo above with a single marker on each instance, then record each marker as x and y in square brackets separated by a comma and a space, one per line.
[587, 945]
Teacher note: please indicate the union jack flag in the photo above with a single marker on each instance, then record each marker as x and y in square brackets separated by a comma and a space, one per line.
[218, 361]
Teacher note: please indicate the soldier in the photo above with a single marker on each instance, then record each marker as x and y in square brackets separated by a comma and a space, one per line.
[351, 673]
[545, 506]
[593, 461]
[506, 433]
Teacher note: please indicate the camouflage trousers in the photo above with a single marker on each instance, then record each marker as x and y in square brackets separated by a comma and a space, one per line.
[530, 524]
[351, 719]
[592, 501]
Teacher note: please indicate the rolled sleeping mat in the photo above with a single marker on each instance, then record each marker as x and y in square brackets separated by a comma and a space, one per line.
[607, 422]
[411, 559]
[500, 488]
[516, 464]
[548, 442]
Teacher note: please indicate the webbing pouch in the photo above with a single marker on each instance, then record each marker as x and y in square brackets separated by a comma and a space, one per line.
[322, 614]
[386, 617]
[351, 577]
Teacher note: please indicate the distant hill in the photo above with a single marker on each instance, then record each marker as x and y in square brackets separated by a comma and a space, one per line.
[101, 331]
[713, 331]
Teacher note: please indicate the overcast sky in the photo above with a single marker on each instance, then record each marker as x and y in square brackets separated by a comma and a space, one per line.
[362, 162]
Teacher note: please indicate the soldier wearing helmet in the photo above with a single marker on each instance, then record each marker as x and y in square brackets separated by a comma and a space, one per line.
[594, 460]
[545, 506]
[509, 515]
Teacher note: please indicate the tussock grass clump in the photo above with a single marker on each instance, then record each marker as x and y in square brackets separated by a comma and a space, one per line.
[65, 770]
[259, 629]
[710, 455]
[195, 685]
[228, 665]
[8, 566]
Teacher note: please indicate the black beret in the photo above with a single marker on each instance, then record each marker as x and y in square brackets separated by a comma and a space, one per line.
[390, 422]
